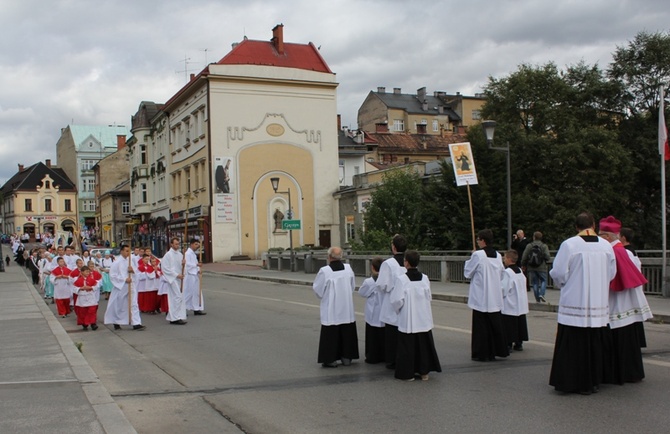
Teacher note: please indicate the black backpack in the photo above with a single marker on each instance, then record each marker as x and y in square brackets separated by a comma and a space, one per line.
[535, 258]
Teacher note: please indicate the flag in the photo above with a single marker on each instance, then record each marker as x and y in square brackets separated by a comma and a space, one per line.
[663, 148]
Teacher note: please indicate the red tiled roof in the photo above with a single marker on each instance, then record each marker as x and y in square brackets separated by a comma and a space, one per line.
[300, 56]
[415, 143]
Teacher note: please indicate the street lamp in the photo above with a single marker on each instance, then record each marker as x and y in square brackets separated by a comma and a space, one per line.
[489, 128]
[289, 216]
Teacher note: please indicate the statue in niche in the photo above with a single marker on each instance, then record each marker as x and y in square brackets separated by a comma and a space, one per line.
[278, 216]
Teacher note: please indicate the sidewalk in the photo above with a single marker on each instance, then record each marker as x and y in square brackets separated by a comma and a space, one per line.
[455, 292]
[46, 385]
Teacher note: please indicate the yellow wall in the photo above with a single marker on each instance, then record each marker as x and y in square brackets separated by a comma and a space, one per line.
[257, 164]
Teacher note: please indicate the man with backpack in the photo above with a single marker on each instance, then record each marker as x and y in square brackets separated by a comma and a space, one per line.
[535, 258]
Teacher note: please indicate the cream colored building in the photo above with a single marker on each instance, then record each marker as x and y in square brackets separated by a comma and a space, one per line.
[39, 199]
[267, 109]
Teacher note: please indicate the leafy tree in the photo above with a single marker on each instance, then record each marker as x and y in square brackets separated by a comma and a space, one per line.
[639, 69]
[395, 208]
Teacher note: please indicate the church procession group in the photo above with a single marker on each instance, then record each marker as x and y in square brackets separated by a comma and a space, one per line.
[601, 311]
[169, 285]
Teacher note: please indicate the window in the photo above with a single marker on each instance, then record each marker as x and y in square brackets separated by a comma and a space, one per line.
[196, 180]
[87, 164]
[47, 184]
[187, 175]
[476, 115]
[88, 205]
[350, 228]
[68, 204]
[143, 154]
[47, 205]
[29, 205]
[89, 184]
[398, 125]
[125, 207]
[436, 125]
[143, 193]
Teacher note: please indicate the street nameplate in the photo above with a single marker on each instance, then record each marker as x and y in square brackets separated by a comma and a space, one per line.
[290, 225]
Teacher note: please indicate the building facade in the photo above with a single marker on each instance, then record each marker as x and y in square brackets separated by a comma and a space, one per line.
[79, 148]
[111, 176]
[419, 113]
[266, 110]
[38, 200]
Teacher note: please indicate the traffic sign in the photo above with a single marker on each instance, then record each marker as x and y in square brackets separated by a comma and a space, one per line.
[289, 225]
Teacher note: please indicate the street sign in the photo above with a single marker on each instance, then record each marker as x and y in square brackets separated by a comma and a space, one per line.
[290, 225]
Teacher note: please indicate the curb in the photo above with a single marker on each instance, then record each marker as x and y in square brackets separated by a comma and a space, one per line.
[454, 298]
[107, 411]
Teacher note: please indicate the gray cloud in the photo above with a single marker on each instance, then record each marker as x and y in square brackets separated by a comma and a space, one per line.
[92, 63]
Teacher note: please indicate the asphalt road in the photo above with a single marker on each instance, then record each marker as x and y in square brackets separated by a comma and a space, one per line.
[250, 366]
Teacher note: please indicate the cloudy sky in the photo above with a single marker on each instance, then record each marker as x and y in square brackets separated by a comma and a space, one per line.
[91, 62]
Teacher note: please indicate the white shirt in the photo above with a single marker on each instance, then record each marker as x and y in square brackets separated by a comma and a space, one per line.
[171, 265]
[373, 302]
[335, 290]
[515, 298]
[485, 274]
[411, 299]
[583, 271]
[191, 262]
[118, 274]
[388, 272]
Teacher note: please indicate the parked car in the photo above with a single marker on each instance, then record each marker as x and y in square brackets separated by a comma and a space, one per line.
[115, 251]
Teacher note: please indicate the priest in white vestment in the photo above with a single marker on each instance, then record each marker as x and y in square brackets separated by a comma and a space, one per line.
[193, 297]
[122, 273]
[172, 266]
[582, 270]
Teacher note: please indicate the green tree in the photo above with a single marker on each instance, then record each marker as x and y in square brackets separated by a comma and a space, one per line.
[395, 208]
[639, 68]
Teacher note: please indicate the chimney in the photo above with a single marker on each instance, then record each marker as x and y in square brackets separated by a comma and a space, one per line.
[278, 38]
[440, 109]
[421, 94]
[192, 76]
[339, 122]
[382, 128]
[20, 167]
[397, 90]
[120, 142]
[48, 163]
[381, 89]
[462, 129]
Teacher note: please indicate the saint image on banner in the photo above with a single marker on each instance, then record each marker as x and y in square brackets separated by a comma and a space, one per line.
[464, 164]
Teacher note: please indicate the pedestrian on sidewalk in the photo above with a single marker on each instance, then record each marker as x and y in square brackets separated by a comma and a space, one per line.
[334, 286]
[534, 259]
[485, 271]
[515, 302]
[411, 300]
[374, 328]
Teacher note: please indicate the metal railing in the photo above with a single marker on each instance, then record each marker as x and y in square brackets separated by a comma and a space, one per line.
[439, 268]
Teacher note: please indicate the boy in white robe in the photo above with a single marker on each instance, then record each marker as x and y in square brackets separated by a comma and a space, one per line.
[334, 286]
[374, 327]
[389, 270]
[193, 296]
[485, 271]
[88, 294]
[515, 302]
[411, 300]
[172, 266]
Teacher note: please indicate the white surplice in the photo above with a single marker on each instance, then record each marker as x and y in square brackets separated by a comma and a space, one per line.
[335, 290]
[171, 267]
[485, 274]
[515, 297]
[193, 297]
[117, 307]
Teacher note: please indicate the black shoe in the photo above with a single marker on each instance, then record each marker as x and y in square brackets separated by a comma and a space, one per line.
[85, 327]
[199, 312]
[139, 327]
[94, 326]
[178, 322]
[518, 347]
[117, 327]
[329, 365]
[345, 361]
[390, 366]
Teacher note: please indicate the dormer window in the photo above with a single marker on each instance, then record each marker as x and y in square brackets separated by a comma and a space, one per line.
[47, 184]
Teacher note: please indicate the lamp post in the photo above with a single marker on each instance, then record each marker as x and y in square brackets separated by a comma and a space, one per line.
[489, 128]
[39, 229]
[289, 216]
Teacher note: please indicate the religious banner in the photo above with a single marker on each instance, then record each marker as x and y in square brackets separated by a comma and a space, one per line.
[464, 164]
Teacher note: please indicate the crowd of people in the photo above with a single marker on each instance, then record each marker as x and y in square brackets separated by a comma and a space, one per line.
[601, 310]
[76, 282]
